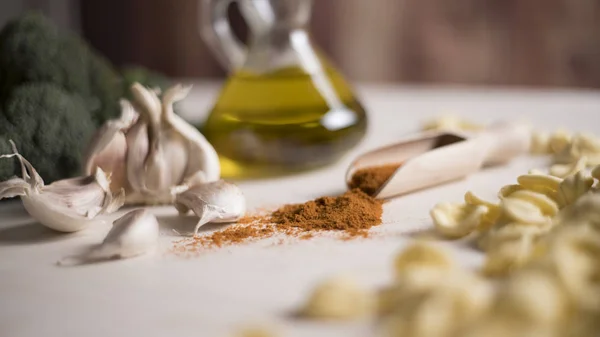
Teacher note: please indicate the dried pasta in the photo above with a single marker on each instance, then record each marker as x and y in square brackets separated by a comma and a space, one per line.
[454, 220]
[339, 298]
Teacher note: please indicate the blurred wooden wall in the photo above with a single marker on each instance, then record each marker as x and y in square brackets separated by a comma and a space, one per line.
[505, 42]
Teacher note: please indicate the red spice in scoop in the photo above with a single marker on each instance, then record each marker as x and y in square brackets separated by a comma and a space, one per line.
[370, 179]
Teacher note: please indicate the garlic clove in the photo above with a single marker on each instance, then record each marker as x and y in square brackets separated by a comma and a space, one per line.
[176, 154]
[196, 179]
[108, 147]
[203, 156]
[217, 201]
[155, 166]
[156, 170]
[137, 140]
[66, 205]
[148, 101]
[135, 233]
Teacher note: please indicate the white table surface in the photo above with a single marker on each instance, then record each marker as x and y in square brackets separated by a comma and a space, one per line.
[217, 292]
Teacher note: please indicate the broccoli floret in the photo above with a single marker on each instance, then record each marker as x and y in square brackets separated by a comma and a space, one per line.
[50, 127]
[54, 92]
[107, 89]
[146, 77]
[33, 50]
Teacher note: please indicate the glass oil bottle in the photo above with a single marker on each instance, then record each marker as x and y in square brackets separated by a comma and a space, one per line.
[284, 108]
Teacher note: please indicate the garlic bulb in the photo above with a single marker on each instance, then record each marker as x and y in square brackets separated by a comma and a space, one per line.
[133, 234]
[218, 201]
[66, 205]
[150, 150]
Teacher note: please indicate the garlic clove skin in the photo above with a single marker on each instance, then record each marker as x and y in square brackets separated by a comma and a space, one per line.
[138, 147]
[70, 206]
[218, 201]
[135, 233]
[108, 147]
[67, 205]
[13, 188]
[56, 217]
[176, 155]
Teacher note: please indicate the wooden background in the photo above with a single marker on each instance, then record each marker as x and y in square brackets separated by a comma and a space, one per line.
[498, 42]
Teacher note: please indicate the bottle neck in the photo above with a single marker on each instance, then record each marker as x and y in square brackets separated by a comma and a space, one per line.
[279, 48]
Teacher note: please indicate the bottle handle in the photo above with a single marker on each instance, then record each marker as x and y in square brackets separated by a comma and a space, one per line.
[215, 28]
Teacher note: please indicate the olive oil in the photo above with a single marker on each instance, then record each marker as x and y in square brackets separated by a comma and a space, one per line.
[283, 121]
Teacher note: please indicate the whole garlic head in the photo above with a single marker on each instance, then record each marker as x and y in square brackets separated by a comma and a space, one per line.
[150, 150]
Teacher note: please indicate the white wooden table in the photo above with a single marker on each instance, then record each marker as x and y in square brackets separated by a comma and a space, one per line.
[213, 294]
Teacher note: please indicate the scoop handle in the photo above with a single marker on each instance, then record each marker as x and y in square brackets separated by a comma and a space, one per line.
[504, 141]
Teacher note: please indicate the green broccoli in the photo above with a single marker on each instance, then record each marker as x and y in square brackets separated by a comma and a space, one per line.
[54, 92]
[151, 79]
[33, 50]
[50, 128]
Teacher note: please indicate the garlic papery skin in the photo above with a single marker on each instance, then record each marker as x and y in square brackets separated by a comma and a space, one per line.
[108, 147]
[66, 205]
[150, 150]
[135, 233]
[217, 201]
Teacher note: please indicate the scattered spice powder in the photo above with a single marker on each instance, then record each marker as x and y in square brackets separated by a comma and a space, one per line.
[370, 179]
[352, 214]
[307, 236]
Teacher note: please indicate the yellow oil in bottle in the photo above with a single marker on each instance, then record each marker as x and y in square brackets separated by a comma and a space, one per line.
[284, 121]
